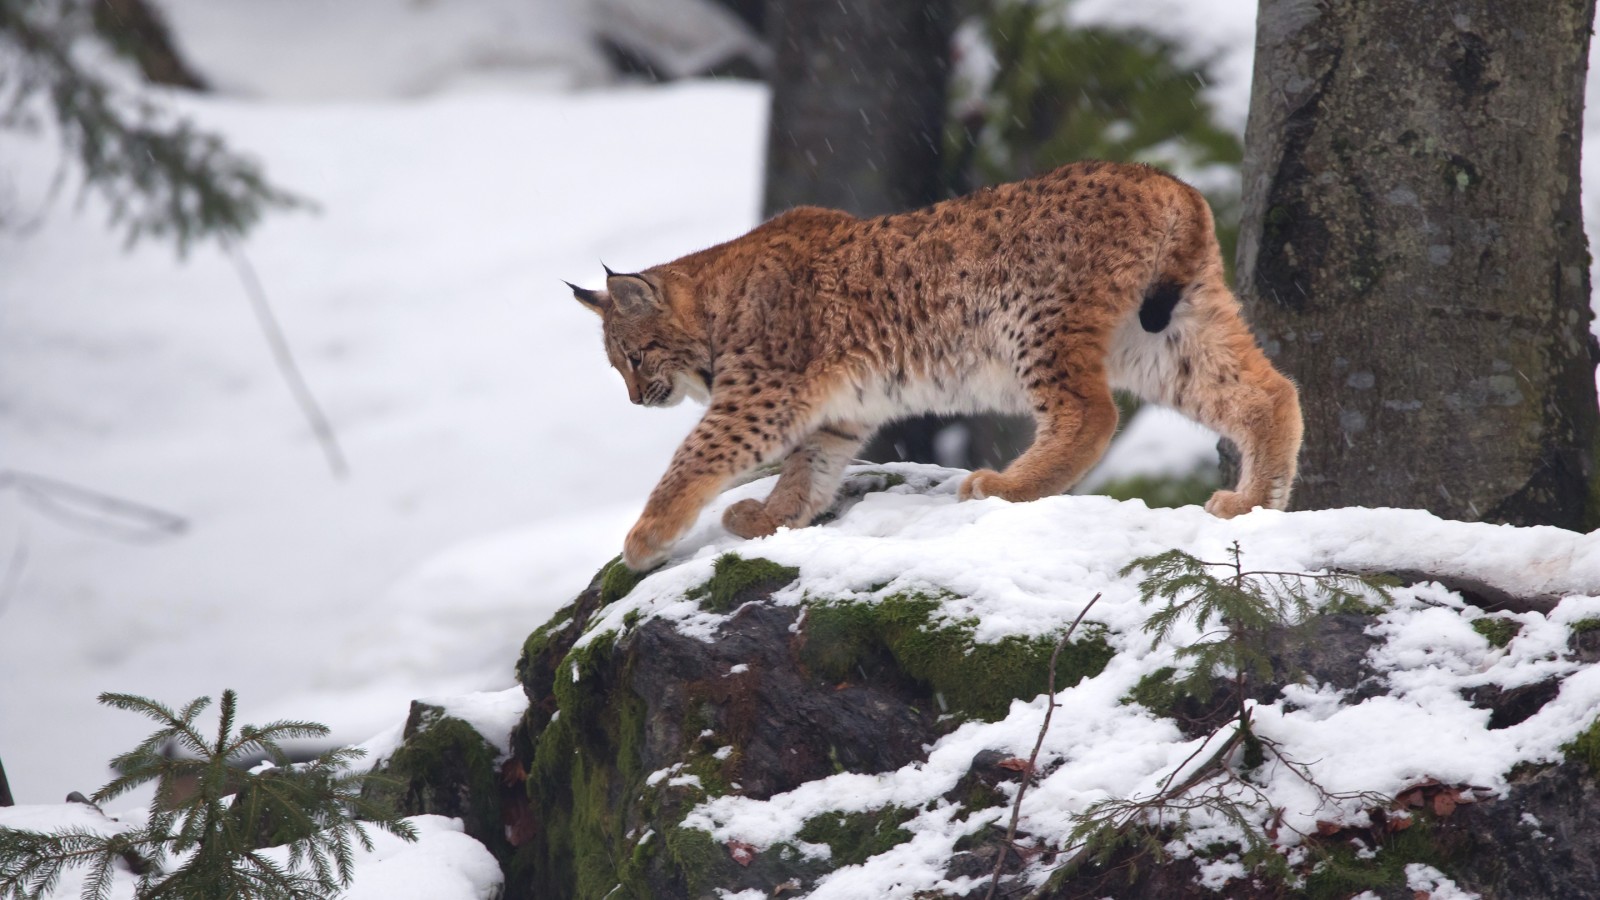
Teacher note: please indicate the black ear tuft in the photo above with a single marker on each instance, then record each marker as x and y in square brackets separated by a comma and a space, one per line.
[595, 300]
[609, 273]
[632, 294]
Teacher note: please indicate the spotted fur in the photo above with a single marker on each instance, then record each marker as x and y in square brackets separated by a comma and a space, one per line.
[1039, 297]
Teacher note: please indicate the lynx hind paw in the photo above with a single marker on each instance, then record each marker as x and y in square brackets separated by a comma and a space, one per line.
[749, 519]
[1227, 504]
[980, 484]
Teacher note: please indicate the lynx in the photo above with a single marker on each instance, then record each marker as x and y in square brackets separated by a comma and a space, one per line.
[1038, 298]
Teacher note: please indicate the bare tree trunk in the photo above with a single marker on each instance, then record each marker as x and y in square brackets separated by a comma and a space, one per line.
[5, 788]
[139, 31]
[858, 113]
[858, 104]
[1413, 253]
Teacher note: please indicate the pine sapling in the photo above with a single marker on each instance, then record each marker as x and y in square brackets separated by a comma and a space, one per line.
[210, 820]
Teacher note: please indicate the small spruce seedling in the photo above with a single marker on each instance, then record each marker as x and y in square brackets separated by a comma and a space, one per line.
[209, 819]
[1236, 610]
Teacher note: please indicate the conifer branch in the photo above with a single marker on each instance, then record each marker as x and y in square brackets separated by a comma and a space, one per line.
[1247, 606]
[218, 828]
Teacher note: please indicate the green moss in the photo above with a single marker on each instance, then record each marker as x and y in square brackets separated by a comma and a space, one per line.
[1341, 874]
[538, 644]
[1496, 630]
[695, 854]
[441, 754]
[968, 678]
[1584, 626]
[1585, 748]
[585, 778]
[1193, 489]
[856, 837]
[732, 575]
[617, 580]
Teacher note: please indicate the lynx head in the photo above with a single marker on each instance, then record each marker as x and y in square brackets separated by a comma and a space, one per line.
[661, 358]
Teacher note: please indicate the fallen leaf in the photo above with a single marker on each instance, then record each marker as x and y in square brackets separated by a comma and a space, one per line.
[1328, 829]
[742, 853]
[1015, 764]
[1444, 803]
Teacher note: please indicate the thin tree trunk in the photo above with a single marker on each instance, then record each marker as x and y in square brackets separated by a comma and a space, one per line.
[858, 115]
[139, 31]
[858, 104]
[1413, 252]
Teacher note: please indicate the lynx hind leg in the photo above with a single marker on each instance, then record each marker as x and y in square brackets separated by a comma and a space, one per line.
[1066, 385]
[1223, 380]
[806, 486]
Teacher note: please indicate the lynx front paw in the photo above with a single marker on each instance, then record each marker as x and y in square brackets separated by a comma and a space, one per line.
[645, 548]
[980, 484]
[749, 519]
[1227, 504]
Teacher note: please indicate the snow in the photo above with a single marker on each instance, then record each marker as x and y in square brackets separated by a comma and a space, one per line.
[1029, 569]
[462, 169]
[442, 864]
[495, 461]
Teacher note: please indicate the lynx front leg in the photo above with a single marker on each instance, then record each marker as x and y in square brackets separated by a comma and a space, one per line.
[809, 481]
[728, 440]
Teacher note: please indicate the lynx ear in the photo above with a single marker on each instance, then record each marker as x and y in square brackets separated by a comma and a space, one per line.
[632, 294]
[597, 301]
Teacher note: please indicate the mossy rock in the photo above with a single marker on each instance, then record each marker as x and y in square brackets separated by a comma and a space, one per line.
[1585, 749]
[1497, 630]
[843, 639]
[853, 838]
[618, 581]
[445, 767]
[736, 580]
[1342, 872]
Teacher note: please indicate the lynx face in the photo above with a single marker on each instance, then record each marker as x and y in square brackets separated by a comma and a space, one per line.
[660, 361]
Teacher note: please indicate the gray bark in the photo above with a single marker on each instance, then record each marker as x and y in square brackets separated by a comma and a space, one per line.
[858, 104]
[1413, 254]
[858, 113]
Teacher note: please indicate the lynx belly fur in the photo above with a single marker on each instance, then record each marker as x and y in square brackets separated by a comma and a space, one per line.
[1038, 297]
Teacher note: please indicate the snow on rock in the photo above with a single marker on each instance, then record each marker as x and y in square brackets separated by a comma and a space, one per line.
[1010, 571]
[443, 863]
[490, 713]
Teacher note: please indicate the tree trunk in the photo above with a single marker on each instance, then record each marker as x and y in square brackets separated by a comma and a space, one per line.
[1413, 252]
[139, 31]
[858, 116]
[5, 788]
[858, 104]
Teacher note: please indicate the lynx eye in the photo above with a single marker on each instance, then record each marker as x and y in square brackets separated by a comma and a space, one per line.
[633, 360]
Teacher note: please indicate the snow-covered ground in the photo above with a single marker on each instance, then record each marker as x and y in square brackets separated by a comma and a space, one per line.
[495, 460]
